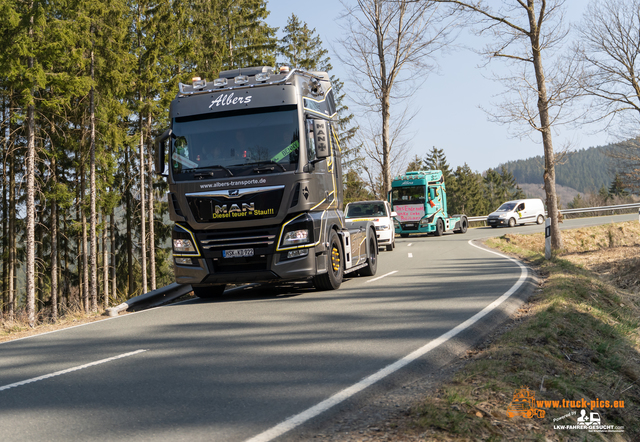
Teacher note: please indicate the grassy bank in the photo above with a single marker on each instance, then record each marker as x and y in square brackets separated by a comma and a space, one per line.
[577, 339]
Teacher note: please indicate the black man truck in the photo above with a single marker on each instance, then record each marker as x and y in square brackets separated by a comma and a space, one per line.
[420, 200]
[255, 183]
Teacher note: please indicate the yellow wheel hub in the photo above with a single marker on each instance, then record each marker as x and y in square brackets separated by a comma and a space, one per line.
[335, 259]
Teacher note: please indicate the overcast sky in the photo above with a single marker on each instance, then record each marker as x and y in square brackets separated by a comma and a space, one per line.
[449, 115]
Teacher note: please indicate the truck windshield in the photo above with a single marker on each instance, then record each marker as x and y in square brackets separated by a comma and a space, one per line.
[231, 143]
[408, 195]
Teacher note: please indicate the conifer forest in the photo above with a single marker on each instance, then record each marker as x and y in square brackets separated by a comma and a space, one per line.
[84, 90]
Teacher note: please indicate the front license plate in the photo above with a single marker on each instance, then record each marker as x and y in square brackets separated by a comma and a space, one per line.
[409, 225]
[237, 253]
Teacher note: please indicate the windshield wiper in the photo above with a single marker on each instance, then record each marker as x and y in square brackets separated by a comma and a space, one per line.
[202, 172]
[265, 169]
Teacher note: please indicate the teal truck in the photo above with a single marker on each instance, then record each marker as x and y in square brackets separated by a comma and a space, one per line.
[420, 200]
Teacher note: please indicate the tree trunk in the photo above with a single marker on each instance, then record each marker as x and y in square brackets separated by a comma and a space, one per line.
[152, 235]
[545, 128]
[31, 208]
[385, 90]
[85, 246]
[64, 301]
[39, 243]
[54, 249]
[114, 290]
[143, 208]
[5, 213]
[386, 147]
[12, 228]
[105, 262]
[128, 214]
[93, 289]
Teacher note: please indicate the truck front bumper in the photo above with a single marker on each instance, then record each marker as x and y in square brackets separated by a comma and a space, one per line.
[415, 227]
[265, 268]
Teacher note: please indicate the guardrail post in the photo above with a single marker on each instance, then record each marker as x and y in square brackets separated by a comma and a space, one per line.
[547, 238]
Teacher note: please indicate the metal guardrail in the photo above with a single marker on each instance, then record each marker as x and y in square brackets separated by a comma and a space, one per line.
[153, 298]
[579, 210]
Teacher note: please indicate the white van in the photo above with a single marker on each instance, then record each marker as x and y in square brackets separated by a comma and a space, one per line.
[517, 212]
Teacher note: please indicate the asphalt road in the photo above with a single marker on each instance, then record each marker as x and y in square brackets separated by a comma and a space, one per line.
[237, 368]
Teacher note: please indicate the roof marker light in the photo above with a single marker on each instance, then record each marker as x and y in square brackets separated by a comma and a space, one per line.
[241, 79]
[263, 76]
[198, 82]
[220, 82]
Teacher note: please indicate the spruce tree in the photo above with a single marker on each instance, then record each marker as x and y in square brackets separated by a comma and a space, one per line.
[437, 160]
[302, 48]
[465, 196]
[617, 187]
[415, 165]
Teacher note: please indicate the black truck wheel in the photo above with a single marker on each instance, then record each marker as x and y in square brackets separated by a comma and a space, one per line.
[208, 292]
[335, 266]
[404, 235]
[439, 227]
[372, 259]
[464, 225]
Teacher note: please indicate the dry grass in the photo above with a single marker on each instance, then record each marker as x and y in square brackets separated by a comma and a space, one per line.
[19, 326]
[577, 338]
[587, 239]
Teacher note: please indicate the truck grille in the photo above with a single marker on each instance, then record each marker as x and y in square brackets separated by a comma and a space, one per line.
[247, 204]
[256, 241]
[410, 226]
[261, 240]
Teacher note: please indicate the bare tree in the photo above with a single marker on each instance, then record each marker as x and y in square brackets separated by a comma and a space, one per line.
[609, 46]
[389, 48]
[526, 34]
[370, 140]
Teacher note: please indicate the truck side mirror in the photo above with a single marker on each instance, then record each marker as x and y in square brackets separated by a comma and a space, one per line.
[394, 214]
[161, 151]
[321, 137]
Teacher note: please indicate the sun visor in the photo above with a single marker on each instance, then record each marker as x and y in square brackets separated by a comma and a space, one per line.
[233, 100]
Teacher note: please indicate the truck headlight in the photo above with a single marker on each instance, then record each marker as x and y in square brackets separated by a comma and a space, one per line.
[183, 246]
[396, 223]
[382, 227]
[295, 237]
[297, 232]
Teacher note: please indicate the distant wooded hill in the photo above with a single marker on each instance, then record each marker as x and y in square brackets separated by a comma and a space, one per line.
[585, 170]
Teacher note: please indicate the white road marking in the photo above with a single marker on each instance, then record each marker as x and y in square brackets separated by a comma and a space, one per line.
[410, 244]
[298, 419]
[69, 370]
[380, 277]
[109, 319]
[410, 255]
